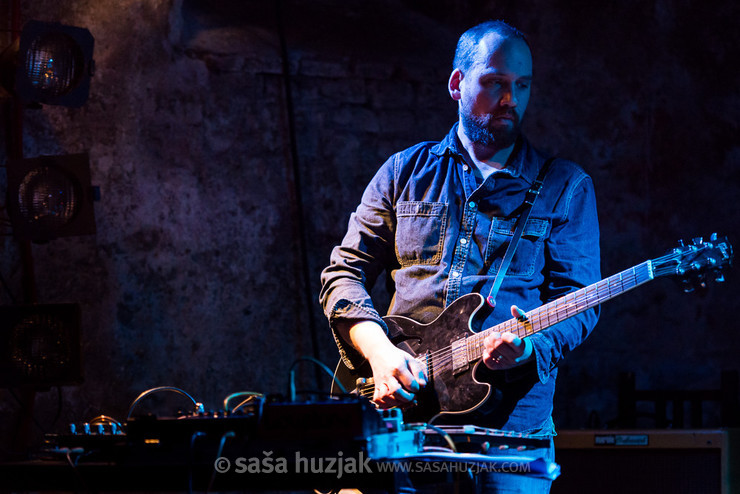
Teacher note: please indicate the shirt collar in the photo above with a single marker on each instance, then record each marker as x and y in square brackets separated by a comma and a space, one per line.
[520, 163]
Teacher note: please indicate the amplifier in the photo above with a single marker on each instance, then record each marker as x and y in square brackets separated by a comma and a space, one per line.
[648, 461]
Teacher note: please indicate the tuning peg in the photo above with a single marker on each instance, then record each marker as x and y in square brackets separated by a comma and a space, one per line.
[719, 278]
[713, 237]
[697, 240]
[680, 243]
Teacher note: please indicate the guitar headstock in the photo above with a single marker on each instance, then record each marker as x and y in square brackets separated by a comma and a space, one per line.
[696, 263]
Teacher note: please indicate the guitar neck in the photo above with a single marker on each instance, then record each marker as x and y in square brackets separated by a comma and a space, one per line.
[565, 307]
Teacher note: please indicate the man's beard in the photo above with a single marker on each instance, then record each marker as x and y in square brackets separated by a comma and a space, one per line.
[481, 131]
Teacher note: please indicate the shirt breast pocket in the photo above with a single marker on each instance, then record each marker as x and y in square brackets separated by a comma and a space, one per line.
[528, 251]
[420, 232]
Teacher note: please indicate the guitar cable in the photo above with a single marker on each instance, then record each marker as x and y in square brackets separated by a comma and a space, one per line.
[445, 436]
[292, 388]
[198, 407]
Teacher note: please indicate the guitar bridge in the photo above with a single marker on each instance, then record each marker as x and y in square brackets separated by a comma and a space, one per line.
[460, 359]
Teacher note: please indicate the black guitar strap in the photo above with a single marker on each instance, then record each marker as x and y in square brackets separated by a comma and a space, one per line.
[529, 199]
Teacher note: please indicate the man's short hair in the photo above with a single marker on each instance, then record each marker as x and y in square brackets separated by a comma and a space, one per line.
[467, 45]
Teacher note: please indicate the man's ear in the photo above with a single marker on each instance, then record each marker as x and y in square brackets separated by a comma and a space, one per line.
[453, 85]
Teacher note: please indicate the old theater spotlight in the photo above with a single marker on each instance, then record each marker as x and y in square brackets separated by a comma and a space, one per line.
[49, 64]
[40, 345]
[50, 197]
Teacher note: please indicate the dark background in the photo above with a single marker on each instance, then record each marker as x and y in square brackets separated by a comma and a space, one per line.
[225, 182]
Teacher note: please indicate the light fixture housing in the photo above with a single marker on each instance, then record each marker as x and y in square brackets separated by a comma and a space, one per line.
[50, 64]
[40, 345]
[51, 197]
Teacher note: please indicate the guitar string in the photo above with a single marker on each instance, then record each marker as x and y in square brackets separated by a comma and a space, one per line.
[441, 360]
[580, 300]
[591, 296]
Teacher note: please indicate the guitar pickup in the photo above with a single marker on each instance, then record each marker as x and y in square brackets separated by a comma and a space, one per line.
[460, 358]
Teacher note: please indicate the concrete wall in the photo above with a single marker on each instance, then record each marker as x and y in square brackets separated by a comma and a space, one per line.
[224, 183]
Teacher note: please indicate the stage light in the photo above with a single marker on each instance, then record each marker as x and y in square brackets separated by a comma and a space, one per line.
[51, 197]
[40, 345]
[49, 64]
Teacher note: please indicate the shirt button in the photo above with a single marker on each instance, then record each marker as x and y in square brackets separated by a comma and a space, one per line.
[454, 274]
[472, 205]
[463, 241]
[466, 168]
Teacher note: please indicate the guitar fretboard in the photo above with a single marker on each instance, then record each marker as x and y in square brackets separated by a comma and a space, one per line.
[567, 306]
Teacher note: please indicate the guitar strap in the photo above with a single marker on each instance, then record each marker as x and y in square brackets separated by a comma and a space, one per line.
[529, 199]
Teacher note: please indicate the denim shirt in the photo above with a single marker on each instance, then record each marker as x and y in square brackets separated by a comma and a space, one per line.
[438, 233]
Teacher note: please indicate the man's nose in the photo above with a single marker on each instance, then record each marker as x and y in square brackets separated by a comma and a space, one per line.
[508, 98]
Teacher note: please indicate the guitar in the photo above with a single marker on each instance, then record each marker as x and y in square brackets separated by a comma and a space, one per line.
[451, 351]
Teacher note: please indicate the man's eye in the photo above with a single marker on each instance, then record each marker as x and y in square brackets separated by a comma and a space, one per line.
[522, 85]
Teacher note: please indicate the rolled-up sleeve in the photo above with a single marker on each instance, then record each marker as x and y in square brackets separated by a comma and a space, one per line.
[368, 248]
